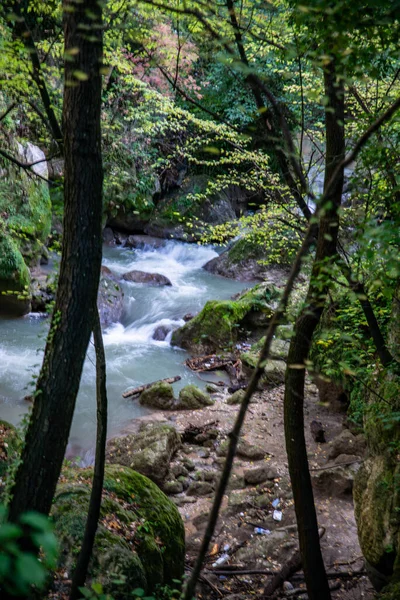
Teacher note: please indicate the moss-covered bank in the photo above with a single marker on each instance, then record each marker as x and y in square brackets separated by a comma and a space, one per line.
[140, 538]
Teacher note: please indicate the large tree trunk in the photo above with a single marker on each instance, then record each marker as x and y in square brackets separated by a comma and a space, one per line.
[314, 570]
[72, 321]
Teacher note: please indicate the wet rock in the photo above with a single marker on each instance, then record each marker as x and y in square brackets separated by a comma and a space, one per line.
[200, 488]
[347, 443]
[185, 481]
[42, 296]
[161, 332]
[110, 299]
[108, 237]
[318, 432]
[149, 452]
[259, 475]
[236, 397]
[205, 475]
[120, 238]
[150, 279]
[178, 469]
[188, 317]
[182, 500]
[189, 464]
[347, 459]
[160, 395]
[143, 241]
[171, 487]
[203, 453]
[191, 398]
[244, 450]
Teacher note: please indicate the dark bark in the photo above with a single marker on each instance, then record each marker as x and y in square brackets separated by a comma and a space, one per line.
[82, 565]
[15, 14]
[74, 310]
[314, 570]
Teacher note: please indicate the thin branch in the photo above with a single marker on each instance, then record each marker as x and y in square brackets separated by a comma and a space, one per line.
[9, 109]
[25, 166]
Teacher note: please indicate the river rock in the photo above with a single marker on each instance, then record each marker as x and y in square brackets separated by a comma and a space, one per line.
[108, 237]
[335, 481]
[191, 398]
[242, 261]
[200, 488]
[160, 395]
[347, 443]
[172, 487]
[244, 450]
[259, 475]
[236, 397]
[144, 241]
[149, 452]
[146, 549]
[160, 333]
[151, 279]
[110, 299]
[218, 325]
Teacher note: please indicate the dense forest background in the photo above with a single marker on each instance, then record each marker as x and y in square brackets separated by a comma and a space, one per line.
[271, 128]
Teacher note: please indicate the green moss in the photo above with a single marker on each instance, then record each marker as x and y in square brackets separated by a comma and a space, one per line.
[246, 248]
[159, 395]
[140, 538]
[216, 326]
[390, 592]
[14, 277]
[191, 397]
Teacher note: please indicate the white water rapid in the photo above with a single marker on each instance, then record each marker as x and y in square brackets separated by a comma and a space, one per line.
[133, 356]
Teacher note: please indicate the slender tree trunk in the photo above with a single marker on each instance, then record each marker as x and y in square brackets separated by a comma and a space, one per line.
[314, 570]
[80, 573]
[74, 310]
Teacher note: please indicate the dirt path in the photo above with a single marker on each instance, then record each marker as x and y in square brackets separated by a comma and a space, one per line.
[248, 506]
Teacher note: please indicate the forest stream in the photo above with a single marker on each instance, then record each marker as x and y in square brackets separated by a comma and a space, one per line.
[133, 356]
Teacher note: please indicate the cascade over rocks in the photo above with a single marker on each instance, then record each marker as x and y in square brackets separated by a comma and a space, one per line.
[140, 535]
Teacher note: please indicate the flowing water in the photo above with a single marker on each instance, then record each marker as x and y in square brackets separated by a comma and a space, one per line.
[133, 356]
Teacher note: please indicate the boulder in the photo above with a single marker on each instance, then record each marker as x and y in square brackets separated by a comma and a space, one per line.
[347, 443]
[243, 262]
[129, 221]
[108, 237]
[160, 333]
[244, 450]
[376, 503]
[110, 299]
[236, 397]
[221, 322]
[33, 154]
[332, 393]
[149, 452]
[191, 398]
[259, 475]
[335, 481]
[140, 539]
[150, 279]
[160, 395]
[143, 241]
[200, 488]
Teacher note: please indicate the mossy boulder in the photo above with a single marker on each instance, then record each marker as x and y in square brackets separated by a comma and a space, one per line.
[236, 397]
[159, 395]
[376, 502]
[14, 278]
[10, 444]
[140, 538]
[149, 451]
[191, 398]
[390, 592]
[222, 323]
[245, 261]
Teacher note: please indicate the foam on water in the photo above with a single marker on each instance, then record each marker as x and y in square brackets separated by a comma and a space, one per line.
[133, 356]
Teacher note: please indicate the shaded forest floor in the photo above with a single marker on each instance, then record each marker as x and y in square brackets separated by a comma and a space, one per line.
[246, 507]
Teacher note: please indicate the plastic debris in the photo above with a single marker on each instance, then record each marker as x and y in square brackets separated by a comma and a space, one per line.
[261, 531]
[226, 547]
[277, 515]
[221, 560]
[276, 503]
